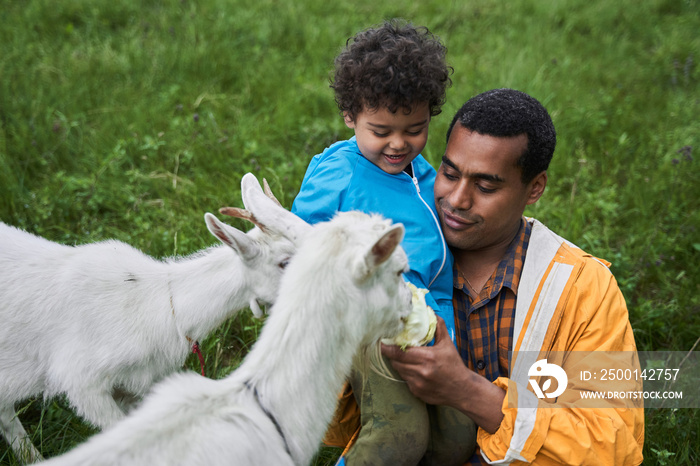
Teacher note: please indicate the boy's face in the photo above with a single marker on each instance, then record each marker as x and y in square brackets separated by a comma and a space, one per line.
[391, 140]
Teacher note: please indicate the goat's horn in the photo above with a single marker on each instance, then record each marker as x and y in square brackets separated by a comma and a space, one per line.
[268, 192]
[237, 212]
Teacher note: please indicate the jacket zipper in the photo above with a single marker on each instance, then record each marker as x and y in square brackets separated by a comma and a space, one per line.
[437, 223]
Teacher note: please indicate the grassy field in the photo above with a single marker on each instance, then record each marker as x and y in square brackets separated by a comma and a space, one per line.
[130, 120]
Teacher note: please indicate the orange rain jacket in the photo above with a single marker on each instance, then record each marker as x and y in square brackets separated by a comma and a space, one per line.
[568, 301]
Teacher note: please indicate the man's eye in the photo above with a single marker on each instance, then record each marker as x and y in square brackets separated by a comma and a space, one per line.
[486, 190]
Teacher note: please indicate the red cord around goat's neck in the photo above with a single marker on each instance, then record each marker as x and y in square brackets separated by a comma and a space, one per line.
[195, 344]
[197, 350]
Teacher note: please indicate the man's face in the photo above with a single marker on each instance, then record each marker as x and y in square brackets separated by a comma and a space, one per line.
[391, 140]
[479, 194]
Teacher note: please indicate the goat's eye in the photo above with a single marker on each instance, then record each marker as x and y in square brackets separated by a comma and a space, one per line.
[283, 264]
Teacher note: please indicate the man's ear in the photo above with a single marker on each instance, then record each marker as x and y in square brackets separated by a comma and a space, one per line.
[536, 187]
[349, 122]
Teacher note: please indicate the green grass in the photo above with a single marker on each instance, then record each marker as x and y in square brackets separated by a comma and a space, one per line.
[129, 120]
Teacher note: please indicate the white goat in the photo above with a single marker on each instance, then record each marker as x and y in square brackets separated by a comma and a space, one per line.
[341, 293]
[85, 321]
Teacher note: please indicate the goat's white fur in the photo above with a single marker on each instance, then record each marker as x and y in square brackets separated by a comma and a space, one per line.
[341, 293]
[86, 320]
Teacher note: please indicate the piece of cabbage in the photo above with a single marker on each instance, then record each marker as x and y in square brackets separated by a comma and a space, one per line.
[420, 324]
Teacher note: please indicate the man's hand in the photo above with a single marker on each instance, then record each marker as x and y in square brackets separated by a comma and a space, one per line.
[433, 373]
[437, 375]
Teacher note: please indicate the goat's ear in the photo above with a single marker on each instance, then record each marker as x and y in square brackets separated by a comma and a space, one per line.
[235, 239]
[379, 252]
[269, 212]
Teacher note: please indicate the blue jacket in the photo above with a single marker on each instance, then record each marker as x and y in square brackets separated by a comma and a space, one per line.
[341, 179]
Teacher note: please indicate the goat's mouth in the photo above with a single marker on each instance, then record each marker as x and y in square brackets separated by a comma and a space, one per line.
[259, 307]
[388, 337]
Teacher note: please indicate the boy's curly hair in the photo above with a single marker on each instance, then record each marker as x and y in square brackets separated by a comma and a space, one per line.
[396, 65]
[508, 113]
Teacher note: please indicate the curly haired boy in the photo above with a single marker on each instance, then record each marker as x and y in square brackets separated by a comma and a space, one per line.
[389, 81]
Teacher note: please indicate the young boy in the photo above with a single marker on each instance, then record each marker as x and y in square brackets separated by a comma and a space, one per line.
[389, 81]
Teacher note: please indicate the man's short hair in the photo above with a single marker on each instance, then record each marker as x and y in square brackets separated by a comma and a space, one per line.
[509, 113]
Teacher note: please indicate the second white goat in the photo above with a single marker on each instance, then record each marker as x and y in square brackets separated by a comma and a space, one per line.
[85, 321]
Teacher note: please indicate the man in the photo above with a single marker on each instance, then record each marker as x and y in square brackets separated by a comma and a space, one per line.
[520, 290]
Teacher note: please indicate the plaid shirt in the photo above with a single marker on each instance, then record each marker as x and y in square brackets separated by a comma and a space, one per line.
[485, 322]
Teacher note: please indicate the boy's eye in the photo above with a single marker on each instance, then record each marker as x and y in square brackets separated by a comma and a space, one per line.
[414, 133]
[380, 135]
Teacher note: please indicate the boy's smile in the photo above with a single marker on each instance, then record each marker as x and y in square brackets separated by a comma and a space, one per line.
[391, 140]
